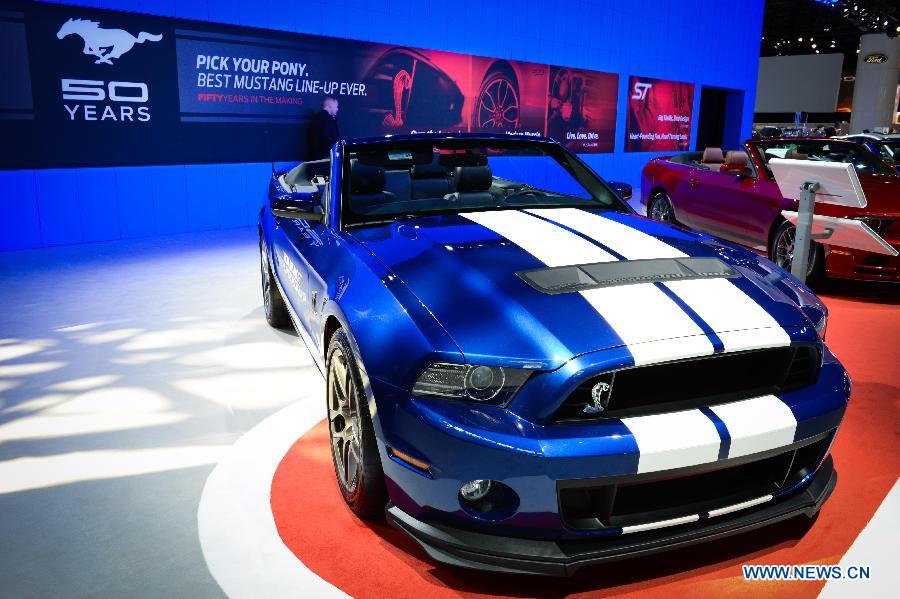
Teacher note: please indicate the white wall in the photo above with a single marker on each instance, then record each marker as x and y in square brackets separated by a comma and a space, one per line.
[807, 83]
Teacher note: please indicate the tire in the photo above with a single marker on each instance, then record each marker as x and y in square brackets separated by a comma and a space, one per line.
[660, 208]
[781, 252]
[273, 303]
[354, 451]
[498, 103]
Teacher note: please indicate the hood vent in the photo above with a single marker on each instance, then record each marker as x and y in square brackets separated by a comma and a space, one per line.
[568, 279]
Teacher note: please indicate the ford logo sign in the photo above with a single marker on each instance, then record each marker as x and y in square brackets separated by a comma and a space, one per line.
[875, 58]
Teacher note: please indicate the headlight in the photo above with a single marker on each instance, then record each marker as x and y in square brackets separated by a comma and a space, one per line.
[879, 224]
[485, 384]
[822, 325]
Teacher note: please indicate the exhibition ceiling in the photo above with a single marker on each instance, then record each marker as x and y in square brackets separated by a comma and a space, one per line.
[823, 26]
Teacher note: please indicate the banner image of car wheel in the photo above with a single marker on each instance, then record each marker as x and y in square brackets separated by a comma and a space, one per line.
[581, 109]
[660, 114]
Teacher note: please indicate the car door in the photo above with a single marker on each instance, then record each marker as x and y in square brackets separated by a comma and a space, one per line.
[719, 202]
[734, 206]
[290, 267]
[317, 248]
[310, 247]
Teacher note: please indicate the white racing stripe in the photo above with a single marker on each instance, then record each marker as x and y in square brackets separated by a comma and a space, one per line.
[739, 506]
[695, 517]
[674, 440]
[631, 243]
[717, 301]
[653, 326]
[724, 307]
[552, 245]
[660, 524]
[757, 424]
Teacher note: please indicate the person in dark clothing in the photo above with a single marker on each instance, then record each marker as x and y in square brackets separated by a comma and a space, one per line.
[323, 129]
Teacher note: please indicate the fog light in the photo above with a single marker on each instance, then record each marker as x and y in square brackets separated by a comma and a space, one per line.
[475, 490]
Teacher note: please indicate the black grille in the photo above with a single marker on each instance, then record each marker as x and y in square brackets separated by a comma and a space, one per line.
[683, 385]
[587, 506]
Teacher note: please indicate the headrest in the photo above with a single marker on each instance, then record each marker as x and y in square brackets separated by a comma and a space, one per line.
[427, 171]
[737, 157]
[366, 179]
[472, 178]
[462, 159]
[712, 156]
[795, 155]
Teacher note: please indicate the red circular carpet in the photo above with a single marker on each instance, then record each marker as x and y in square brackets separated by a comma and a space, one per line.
[373, 559]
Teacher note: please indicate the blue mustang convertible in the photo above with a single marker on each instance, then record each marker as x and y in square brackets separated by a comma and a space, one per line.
[527, 376]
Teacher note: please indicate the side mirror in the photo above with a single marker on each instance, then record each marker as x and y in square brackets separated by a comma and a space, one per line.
[622, 189]
[301, 205]
[742, 170]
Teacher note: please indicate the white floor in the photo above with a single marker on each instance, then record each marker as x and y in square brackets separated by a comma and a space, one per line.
[126, 368]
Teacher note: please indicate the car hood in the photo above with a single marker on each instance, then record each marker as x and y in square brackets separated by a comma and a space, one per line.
[466, 271]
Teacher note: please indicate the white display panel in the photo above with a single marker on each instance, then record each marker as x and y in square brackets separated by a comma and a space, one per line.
[838, 183]
[846, 232]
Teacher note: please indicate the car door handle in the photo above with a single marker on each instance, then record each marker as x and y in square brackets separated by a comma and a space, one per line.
[694, 182]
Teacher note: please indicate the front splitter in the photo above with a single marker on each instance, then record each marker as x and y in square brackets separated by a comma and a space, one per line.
[481, 551]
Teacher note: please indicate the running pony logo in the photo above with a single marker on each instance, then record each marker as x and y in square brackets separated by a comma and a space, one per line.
[105, 44]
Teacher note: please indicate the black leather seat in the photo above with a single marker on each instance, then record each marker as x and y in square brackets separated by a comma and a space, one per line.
[473, 184]
[367, 187]
[429, 181]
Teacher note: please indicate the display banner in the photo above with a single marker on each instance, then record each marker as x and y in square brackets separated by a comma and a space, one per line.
[90, 87]
[659, 116]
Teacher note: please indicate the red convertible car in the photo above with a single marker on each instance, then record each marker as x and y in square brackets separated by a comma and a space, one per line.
[734, 196]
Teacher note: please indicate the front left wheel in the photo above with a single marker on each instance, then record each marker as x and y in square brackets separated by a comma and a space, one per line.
[353, 447]
[660, 208]
[781, 252]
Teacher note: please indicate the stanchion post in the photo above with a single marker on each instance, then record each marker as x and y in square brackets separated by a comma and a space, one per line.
[803, 234]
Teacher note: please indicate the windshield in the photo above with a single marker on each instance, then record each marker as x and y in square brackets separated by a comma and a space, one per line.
[889, 150]
[386, 181]
[823, 150]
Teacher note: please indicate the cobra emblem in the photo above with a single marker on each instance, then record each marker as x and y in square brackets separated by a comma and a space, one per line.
[600, 394]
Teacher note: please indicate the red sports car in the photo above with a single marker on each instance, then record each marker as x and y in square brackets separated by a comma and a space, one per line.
[734, 196]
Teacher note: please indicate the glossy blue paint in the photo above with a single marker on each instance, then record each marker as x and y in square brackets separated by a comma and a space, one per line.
[442, 288]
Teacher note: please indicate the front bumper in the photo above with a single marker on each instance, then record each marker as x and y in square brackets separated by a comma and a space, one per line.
[845, 263]
[481, 551]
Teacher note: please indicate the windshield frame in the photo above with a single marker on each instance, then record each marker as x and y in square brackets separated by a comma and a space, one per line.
[571, 163]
